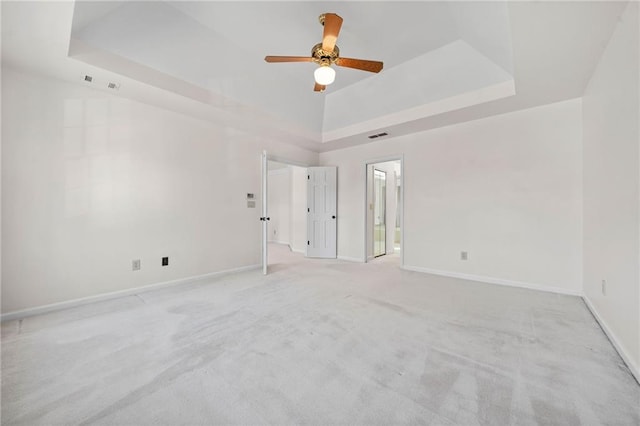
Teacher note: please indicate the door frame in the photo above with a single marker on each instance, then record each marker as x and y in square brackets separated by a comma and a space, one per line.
[375, 202]
[367, 163]
[264, 166]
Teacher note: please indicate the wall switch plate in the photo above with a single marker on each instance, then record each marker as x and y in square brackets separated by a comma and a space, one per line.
[165, 261]
[135, 265]
[464, 255]
[604, 287]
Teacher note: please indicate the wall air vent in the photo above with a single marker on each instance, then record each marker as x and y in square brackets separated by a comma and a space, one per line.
[88, 78]
[114, 86]
[379, 135]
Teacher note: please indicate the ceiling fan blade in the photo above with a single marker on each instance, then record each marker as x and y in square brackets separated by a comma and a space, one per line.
[332, 24]
[319, 87]
[288, 58]
[360, 64]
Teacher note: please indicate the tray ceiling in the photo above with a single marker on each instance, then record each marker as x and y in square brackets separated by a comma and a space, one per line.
[445, 62]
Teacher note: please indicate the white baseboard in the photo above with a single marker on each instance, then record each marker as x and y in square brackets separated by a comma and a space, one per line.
[121, 293]
[350, 259]
[493, 280]
[286, 243]
[633, 367]
[297, 251]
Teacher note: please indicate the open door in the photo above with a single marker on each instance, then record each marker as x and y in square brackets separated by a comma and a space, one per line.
[379, 212]
[265, 214]
[321, 212]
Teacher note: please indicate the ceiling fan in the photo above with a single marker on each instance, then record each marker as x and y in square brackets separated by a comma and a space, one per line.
[327, 53]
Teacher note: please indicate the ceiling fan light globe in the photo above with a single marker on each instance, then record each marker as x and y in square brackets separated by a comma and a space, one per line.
[324, 75]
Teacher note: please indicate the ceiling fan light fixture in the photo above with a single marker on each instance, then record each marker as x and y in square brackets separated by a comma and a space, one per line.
[326, 53]
[324, 75]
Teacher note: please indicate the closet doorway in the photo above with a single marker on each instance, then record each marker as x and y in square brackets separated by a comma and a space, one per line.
[383, 209]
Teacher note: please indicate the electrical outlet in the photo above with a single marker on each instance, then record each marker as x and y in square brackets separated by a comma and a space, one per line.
[165, 261]
[604, 287]
[135, 265]
[464, 255]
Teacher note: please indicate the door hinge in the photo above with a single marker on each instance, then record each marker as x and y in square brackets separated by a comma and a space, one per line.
[308, 211]
[307, 242]
[308, 177]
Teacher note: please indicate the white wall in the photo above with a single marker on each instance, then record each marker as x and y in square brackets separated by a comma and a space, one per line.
[612, 188]
[91, 181]
[279, 205]
[507, 189]
[298, 240]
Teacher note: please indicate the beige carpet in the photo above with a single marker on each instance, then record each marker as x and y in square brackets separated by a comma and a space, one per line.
[318, 342]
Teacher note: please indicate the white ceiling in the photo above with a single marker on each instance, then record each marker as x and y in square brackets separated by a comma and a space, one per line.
[445, 62]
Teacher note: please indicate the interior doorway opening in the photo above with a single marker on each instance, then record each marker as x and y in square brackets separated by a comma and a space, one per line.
[282, 230]
[298, 209]
[287, 206]
[384, 212]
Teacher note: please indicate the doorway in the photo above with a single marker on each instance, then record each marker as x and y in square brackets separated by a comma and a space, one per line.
[286, 201]
[383, 210]
[319, 208]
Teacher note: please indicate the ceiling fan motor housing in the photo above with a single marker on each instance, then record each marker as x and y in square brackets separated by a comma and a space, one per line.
[322, 57]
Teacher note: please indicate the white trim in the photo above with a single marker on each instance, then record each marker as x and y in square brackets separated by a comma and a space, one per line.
[38, 310]
[493, 280]
[635, 370]
[284, 243]
[297, 251]
[350, 259]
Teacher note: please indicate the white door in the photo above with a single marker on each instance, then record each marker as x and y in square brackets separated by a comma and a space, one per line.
[265, 216]
[321, 212]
